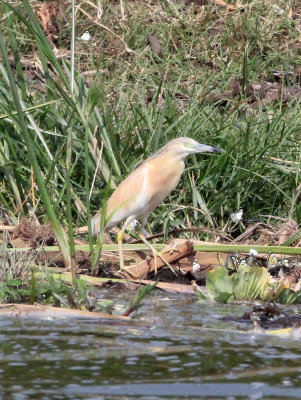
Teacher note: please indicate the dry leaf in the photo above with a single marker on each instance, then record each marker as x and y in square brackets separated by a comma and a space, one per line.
[286, 231]
[222, 3]
[46, 14]
[155, 44]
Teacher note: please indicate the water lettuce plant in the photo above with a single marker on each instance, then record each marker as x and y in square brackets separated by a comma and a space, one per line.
[248, 283]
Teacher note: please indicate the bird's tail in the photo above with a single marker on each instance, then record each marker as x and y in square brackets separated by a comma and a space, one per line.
[95, 224]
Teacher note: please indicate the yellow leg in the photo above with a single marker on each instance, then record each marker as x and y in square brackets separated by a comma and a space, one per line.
[156, 254]
[119, 241]
[120, 237]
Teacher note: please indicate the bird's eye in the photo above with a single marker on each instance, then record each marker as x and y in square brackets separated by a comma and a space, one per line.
[186, 144]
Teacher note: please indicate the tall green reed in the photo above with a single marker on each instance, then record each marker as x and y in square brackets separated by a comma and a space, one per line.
[22, 127]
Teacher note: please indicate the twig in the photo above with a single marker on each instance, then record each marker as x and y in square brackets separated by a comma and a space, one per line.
[7, 228]
[283, 161]
[250, 231]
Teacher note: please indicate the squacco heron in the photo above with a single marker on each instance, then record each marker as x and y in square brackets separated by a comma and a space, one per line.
[145, 188]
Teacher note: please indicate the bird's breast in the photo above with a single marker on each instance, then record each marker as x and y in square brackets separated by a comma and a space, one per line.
[163, 177]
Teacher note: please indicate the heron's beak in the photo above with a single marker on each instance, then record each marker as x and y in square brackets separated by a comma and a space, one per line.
[203, 148]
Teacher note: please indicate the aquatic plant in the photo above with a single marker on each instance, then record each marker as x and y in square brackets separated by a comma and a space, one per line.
[248, 283]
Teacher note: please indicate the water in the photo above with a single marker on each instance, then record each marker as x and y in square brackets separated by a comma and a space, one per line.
[164, 354]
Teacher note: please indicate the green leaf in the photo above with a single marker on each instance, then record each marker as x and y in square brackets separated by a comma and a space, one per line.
[219, 284]
[104, 305]
[141, 294]
[288, 296]
[251, 283]
[14, 282]
[200, 294]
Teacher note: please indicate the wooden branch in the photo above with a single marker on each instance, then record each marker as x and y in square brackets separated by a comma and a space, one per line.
[172, 252]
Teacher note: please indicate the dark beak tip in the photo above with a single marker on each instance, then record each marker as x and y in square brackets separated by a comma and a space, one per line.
[218, 150]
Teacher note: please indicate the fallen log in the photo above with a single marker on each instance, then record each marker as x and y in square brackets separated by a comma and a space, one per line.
[173, 251]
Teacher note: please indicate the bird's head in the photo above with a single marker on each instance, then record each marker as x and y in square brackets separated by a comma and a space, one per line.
[184, 146]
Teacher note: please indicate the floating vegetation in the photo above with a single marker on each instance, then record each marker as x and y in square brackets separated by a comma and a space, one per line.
[248, 283]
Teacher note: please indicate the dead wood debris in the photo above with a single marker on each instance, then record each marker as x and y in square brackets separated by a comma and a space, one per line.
[293, 276]
[251, 231]
[285, 231]
[187, 264]
[268, 315]
[34, 235]
[173, 251]
[267, 234]
[46, 15]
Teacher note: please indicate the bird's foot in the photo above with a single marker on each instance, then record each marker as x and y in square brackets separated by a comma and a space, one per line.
[157, 254]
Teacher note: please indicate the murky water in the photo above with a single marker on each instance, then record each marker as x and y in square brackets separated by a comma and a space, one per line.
[164, 354]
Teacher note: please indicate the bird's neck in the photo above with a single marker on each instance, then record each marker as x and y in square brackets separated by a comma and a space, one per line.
[172, 162]
[176, 158]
